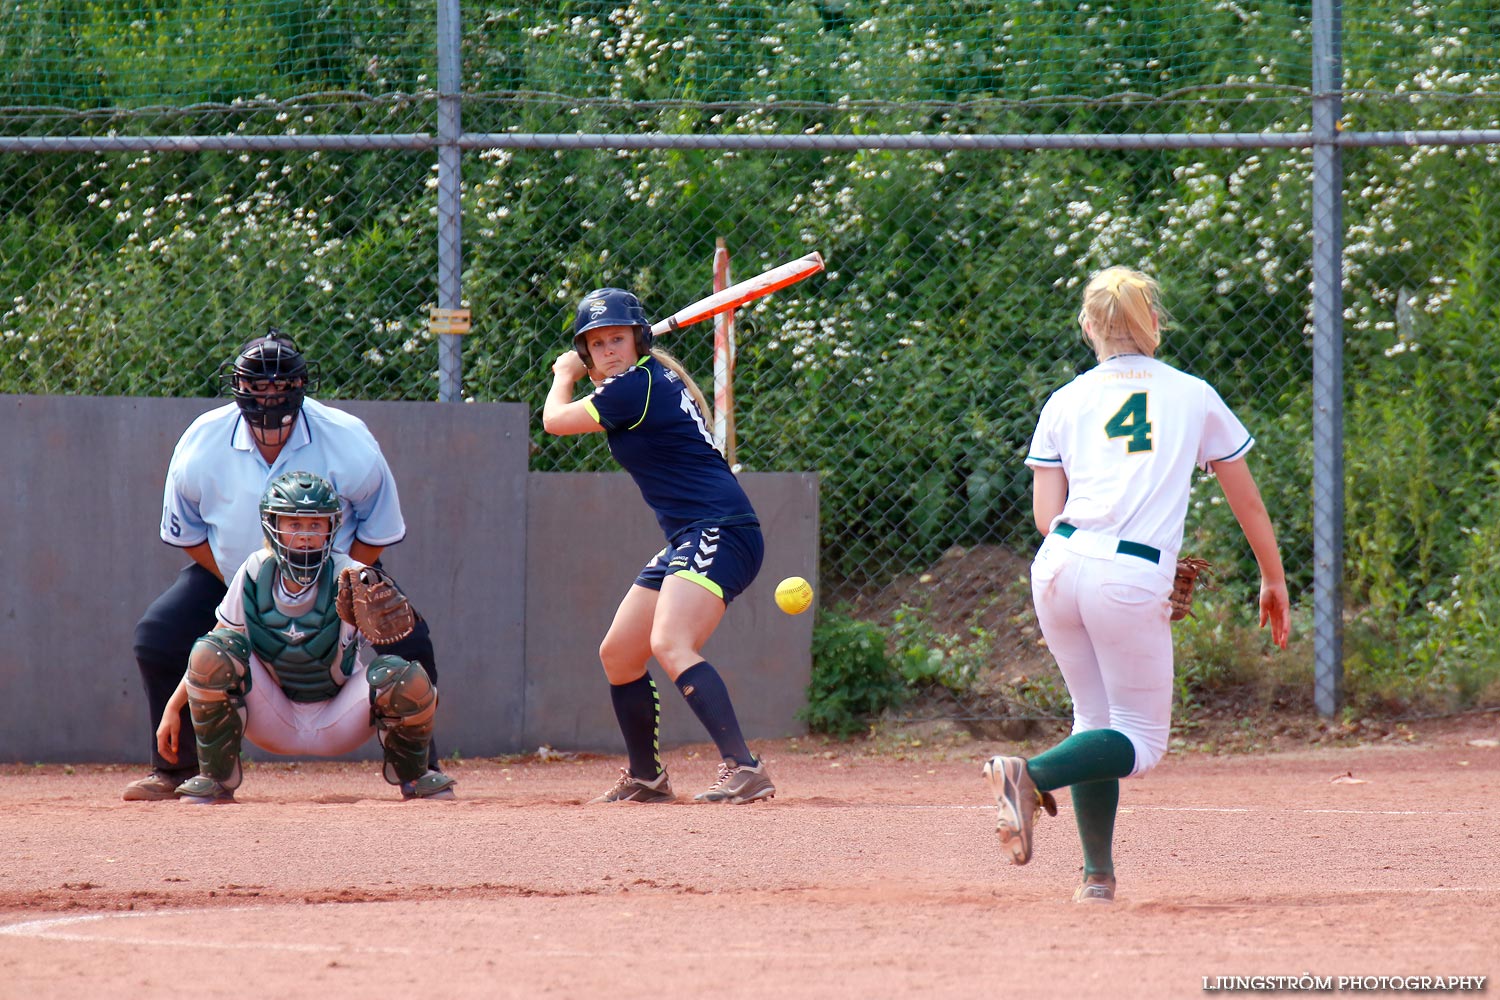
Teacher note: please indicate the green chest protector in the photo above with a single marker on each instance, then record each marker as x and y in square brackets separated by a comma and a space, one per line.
[303, 650]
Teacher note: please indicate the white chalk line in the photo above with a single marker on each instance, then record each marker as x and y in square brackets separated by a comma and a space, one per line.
[56, 929]
[1239, 809]
[51, 929]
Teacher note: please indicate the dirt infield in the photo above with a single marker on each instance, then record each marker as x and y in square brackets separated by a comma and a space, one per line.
[869, 875]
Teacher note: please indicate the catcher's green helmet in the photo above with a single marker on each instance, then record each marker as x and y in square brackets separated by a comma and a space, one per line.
[300, 494]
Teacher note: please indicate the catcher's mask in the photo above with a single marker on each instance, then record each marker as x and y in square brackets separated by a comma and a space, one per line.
[610, 307]
[299, 494]
[269, 379]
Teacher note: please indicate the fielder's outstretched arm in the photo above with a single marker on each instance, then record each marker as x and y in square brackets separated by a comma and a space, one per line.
[1250, 510]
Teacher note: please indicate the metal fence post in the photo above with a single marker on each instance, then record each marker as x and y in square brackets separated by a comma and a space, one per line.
[449, 199]
[1328, 358]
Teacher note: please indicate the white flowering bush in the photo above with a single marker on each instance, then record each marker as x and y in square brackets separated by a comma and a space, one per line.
[909, 375]
[178, 274]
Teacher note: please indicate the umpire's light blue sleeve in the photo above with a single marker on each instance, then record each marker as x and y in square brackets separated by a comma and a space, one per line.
[182, 521]
[341, 443]
[374, 501]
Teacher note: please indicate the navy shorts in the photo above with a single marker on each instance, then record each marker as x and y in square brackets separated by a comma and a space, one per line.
[722, 560]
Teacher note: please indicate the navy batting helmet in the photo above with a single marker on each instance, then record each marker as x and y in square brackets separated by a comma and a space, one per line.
[268, 379]
[610, 307]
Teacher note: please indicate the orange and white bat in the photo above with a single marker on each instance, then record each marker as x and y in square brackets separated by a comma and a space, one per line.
[741, 292]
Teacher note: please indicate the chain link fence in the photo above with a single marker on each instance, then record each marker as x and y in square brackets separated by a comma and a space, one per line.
[178, 176]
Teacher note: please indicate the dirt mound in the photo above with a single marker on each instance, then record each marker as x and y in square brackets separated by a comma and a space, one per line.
[982, 594]
[971, 590]
[975, 601]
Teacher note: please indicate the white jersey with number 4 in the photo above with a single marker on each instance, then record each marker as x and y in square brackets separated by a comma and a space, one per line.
[1128, 433]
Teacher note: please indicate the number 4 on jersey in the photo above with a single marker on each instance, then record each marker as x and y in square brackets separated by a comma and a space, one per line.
[1130, 422]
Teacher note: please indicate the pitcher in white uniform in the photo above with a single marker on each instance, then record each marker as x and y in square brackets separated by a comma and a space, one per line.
[1113, 458]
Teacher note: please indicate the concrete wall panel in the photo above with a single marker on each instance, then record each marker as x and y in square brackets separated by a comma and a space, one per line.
[590, 534]
[496, 558]
[84, 560]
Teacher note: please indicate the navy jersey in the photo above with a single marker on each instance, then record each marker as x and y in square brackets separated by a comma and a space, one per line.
[657, 434]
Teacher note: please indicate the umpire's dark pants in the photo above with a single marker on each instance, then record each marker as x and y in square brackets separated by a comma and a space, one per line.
[165, 635]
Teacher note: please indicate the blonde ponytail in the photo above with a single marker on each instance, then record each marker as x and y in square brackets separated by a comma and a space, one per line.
[1122, 311]
[676, 366]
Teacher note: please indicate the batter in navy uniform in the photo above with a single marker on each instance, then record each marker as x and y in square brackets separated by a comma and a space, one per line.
[656, 421]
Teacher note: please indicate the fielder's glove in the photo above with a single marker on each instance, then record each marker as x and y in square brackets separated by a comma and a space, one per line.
[1183, 586]
[369, 600]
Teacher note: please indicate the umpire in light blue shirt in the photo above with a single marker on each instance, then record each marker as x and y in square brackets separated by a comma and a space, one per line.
[211, 510]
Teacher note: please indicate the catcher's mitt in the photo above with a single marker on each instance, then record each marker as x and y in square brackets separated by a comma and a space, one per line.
[369, 600]
[1183, 586]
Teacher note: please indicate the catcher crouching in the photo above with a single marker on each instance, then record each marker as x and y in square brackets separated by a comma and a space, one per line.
[295, 663]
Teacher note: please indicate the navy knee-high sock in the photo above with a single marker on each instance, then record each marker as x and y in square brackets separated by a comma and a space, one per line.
[707, 696]
[638, 710]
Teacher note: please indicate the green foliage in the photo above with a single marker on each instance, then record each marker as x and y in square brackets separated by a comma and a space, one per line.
[128, 53]
[910, 374]
[928, 658]
[1421, 458]
[719, 52]
[1222, 648]
[1441, 654]
[853, 680]
[861, 669]
[273, 243]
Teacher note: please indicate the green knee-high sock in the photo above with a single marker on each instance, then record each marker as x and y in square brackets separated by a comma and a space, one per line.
[1094, 806]
[1096, 755]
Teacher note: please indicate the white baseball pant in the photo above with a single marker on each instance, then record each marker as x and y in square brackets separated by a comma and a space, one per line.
[1107, 620]
[318, 728]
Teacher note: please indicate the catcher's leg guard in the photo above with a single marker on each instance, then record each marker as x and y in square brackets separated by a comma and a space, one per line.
[218, 680]
[403, 702]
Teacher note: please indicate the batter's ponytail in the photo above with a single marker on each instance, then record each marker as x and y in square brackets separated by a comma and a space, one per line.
[676, 366]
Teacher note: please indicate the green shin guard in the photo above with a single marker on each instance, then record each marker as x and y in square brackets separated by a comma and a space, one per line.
[218, 679]
[405, 750]
[220, 730]
[403, 703]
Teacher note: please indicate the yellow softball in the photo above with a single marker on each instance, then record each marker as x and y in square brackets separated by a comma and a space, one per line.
[794, 595]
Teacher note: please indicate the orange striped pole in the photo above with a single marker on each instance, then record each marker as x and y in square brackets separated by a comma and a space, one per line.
[724, 436]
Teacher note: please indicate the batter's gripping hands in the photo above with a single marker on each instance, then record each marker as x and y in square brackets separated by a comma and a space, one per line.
[369, 600]
[1186, 581]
